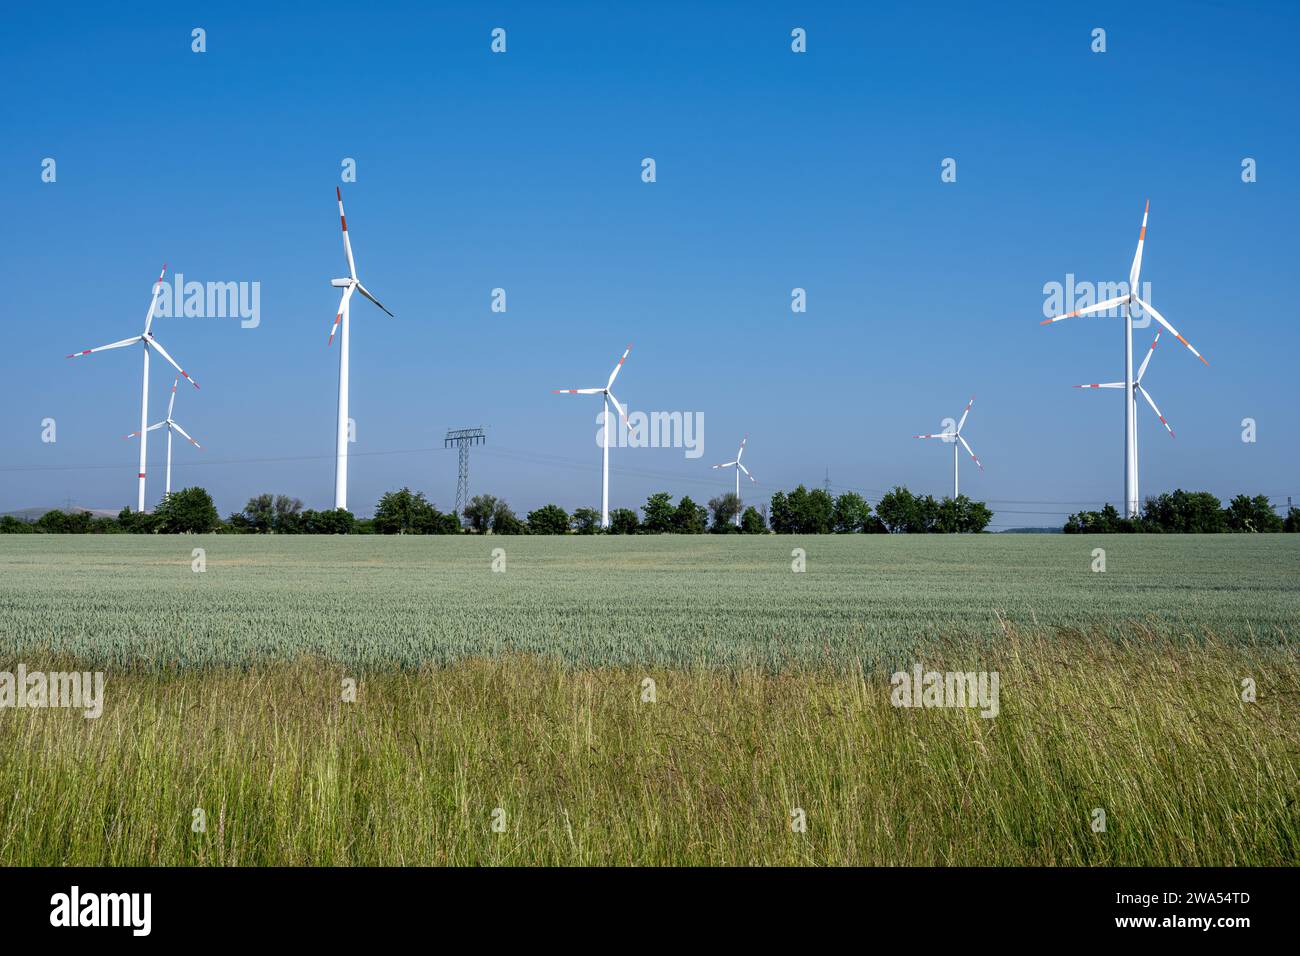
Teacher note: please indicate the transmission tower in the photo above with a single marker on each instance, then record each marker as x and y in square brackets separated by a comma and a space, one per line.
[462, 439]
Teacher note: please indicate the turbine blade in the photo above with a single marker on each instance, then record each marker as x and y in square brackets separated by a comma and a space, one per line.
[746, 471]
[1172, 331]
[153, 302]
[155, 344]
[965, 413]
[1151, 402]
[1099, 307]
[362, 290]
[186, 434]
[1103, 385]
[577, 391]
[343, 304]
[621, 410]
[111, 345]
[171, 402]
[614, 374]
[741, 454]
[727, 464]
[1150, 352]
[948, 436]
[347, 243]
[968, 448]
[1137, 256]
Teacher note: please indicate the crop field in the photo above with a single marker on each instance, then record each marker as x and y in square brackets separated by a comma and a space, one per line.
[699, 601]
[666, 701]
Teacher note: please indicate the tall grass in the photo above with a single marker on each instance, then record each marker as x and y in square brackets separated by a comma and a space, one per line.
[1154, 733]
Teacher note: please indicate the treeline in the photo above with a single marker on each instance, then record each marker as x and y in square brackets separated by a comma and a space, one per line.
[800, 511]
[1188, 512]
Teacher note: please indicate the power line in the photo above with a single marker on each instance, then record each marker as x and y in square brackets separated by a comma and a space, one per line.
[555, 461]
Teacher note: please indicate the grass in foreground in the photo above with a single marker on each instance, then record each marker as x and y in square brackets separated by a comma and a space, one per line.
[1156, 734]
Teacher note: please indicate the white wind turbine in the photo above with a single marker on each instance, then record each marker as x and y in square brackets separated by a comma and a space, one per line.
[739, 468]
[148, 344]
[348, 285]
[171, 426]
[953, 437]
[1126, 302]
[608, 397]
[1137, 385]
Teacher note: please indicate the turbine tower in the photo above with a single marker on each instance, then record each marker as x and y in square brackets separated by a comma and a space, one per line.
[608, 396]
[171, 426]
[348, 285]
[739, 468]
[1126, 303]
[148, 343]
[953, 437]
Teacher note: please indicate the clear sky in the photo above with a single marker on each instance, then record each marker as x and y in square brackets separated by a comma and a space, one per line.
[775, 170]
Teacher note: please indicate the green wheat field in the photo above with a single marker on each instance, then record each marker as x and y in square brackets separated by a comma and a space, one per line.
[653, 700]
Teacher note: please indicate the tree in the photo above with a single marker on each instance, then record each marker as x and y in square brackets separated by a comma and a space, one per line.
[1105, 521]
[188, 511]
[586, 521]
[896, 509]
[976, 517]
[1292, 523]
[549, 519]
[405, 512]
[623, 521]
[782, 514]
[504, 520]
[260, 513]
[1245, 513]
[334, 521]
[659, 512]
[53, 522]
[803, 511]
[136, 522]
[961, 516]
[690, 518]
[479, 512]
[818, 512]
[11, 525]
[902, 511]
[751, 522]
[852, 513]
[1183, 512]
[725, 508]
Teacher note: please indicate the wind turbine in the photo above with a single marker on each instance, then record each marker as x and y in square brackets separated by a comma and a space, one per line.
[608, 397]
[348, 285]
[171, 427]
[148, 343]
[739, 468]
[1137, 386]
[953, 437]
[1127, 301]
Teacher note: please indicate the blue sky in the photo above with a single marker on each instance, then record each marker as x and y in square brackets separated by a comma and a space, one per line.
[774, 171]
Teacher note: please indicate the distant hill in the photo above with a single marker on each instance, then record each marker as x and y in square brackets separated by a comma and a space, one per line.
[1055, 530]
[31, 514]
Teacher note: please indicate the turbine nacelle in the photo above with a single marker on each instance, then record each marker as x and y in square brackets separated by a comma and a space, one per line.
[341, 283]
